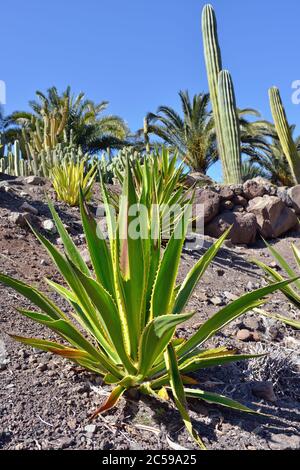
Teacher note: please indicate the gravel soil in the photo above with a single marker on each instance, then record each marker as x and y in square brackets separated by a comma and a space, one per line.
[45, 401]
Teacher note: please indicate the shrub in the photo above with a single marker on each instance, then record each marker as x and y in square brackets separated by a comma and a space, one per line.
[67, 179]
[129, 305]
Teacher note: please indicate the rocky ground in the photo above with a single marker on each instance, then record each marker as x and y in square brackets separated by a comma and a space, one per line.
[45, 401]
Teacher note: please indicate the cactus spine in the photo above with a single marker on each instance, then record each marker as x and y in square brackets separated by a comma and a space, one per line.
[213, 61]
[284, 133]
[230, 127]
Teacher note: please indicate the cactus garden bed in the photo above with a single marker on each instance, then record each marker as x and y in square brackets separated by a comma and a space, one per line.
[45, 402]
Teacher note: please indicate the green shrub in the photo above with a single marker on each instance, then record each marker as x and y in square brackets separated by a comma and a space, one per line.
[67, 179]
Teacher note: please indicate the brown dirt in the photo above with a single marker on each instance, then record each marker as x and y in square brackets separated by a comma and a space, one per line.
[45, 402]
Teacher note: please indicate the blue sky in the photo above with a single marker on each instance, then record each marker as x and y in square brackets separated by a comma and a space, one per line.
[138, 54]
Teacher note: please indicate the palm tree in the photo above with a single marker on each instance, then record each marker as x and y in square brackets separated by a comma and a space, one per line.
[193, 134]
[275, 165]
[255, 134]
[8, 131]
[251, 170]
[273, 161]
[77, 117]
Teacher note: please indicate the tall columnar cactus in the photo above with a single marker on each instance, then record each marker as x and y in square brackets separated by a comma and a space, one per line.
[284, 133]
[17, 158]
[146, 135]
[230, 127]
[47, 133]
[213, 61]
[2, 146]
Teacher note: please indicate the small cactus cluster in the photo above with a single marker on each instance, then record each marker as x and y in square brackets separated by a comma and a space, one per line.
[38, 164]
[112, 167]
[223, 101]
[13, 164]
[46, 134]
[41, 164]
[2, 147]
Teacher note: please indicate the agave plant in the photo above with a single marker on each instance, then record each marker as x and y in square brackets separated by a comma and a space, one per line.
[67, 179]
[126, 309]
[158, 179]
[292, 292]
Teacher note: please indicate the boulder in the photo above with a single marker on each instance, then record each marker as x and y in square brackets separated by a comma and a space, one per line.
[227, 205]
[263, 181]
[271, 190]
[34, 180]
[238, 209]
[244, 227]
[226, 193]
[240, 201]
[210, 202]
[283, 194]
[197, 178]
[254, 188]
[273, 217]
[294, 195]
[237, 189]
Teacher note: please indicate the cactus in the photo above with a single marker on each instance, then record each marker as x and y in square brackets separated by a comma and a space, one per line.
[2, 165]
[146, 135]
[38, 163]
[284, 133]
[230, 127]
[47, 133]
[41, 163]
[2, 146]
[112, 167]
[17, 157]
[213, 61]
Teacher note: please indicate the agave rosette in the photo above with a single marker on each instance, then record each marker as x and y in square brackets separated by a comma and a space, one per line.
[159, 180]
